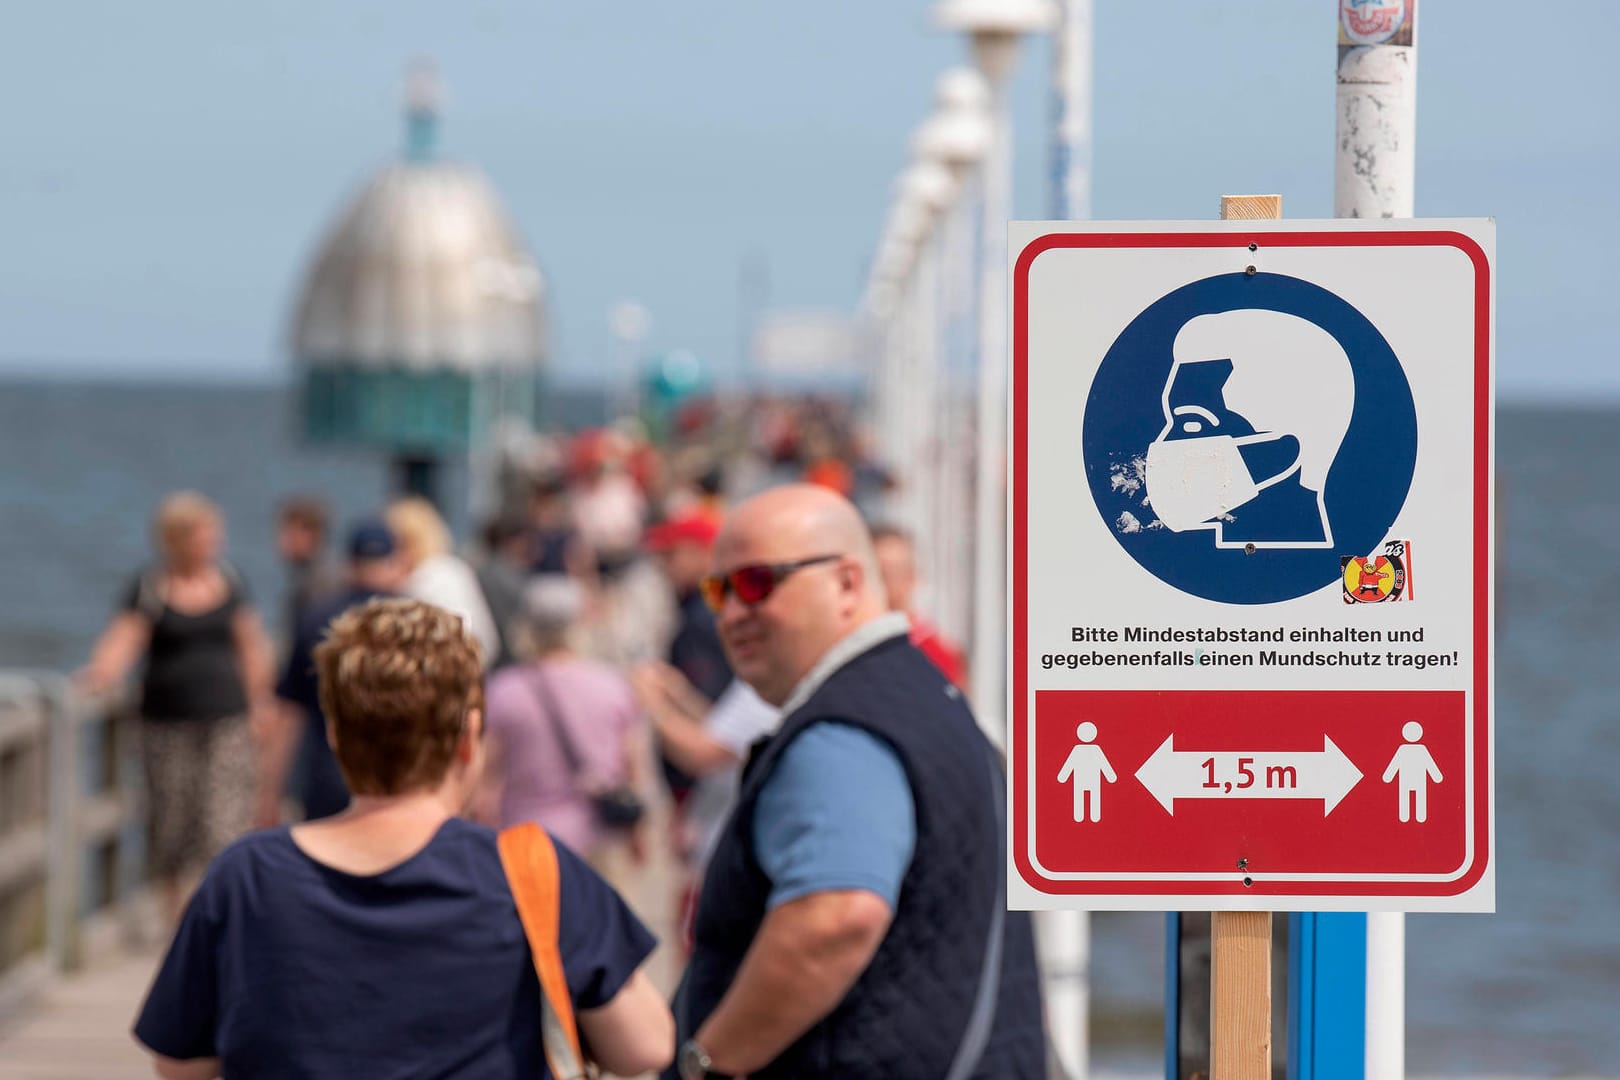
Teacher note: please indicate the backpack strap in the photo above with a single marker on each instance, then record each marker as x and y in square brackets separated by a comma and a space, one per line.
[530, 862]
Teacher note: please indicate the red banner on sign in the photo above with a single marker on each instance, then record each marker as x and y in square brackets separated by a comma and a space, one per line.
[1262, 784]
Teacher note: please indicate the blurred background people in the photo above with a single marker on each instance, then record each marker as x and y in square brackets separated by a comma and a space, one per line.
[301, 528]
[897, 563]
[556, 546]
[562, 729]
[608, 506]
[385, 940]
[435, 574]
[503, 572]
[298, 742]
[707, 741]
[205, 689]
[681, 546]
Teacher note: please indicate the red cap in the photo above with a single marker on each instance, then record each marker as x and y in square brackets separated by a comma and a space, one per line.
[688, 528]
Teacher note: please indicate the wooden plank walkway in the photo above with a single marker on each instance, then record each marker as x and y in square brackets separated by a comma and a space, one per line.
[78, 1028]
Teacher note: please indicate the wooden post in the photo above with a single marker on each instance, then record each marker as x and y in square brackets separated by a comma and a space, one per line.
[1240, 941]
[1250, 207]
[1240, 996]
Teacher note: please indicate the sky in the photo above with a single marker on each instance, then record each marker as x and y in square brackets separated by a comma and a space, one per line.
[169, 168]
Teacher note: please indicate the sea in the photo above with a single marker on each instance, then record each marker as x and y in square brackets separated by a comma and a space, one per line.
[1532, 990]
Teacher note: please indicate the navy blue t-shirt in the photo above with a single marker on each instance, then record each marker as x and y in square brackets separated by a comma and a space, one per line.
[284, 967]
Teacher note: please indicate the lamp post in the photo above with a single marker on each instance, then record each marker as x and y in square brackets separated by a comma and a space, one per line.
[994, 27]
[1071, 127]
[1374, 177]
[956, 136]
[896, 260]
[628, 322]
[930, 186]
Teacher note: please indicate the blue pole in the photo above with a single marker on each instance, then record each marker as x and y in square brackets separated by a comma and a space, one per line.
[1172, 995]
[1327, 996]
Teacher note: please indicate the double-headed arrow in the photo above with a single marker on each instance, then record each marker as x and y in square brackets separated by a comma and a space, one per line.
[1239, 774]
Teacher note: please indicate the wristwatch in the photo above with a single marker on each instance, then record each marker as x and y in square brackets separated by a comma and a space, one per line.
[693, 1063]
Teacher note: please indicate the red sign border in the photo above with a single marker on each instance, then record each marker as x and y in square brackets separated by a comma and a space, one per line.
[1481, 702]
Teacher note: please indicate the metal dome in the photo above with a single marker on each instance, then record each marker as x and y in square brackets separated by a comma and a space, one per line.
[423, 270]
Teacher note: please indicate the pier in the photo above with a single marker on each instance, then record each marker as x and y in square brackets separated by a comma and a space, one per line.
[79, 934]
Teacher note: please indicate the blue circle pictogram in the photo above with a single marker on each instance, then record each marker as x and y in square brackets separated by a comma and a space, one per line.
[1244, 432]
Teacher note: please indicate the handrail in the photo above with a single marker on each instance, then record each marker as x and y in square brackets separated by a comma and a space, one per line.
[71, 851]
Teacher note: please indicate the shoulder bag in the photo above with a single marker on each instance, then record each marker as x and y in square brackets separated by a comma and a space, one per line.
[617, 805]
[530, 863]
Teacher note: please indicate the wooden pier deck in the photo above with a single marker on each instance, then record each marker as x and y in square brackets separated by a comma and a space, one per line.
[78, 1027]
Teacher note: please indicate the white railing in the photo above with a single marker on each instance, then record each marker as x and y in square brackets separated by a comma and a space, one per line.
[72, 849]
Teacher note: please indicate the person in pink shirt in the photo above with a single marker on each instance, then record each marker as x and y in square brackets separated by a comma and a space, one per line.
[562, 727]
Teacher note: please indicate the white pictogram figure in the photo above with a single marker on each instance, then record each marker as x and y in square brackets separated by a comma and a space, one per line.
[1413, 766]
[1086, 767]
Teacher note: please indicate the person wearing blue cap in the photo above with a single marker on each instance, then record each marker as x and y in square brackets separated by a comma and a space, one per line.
[374, 570]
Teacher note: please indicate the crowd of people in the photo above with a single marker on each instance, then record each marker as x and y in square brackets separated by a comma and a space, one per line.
[640, 667]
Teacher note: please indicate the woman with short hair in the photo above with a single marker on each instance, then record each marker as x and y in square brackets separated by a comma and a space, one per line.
[386, 941]
[205, 689]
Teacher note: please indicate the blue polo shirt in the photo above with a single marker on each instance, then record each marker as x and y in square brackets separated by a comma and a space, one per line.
[836, 813]
[286, 968]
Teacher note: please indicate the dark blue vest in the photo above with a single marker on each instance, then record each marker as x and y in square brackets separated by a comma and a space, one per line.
[905, 1015]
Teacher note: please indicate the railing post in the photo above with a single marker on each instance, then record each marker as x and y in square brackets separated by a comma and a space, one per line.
[65, 851]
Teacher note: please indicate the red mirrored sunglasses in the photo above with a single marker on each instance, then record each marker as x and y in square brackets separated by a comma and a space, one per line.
[754, 582]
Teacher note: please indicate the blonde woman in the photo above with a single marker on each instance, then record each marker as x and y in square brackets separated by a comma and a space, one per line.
[435, 575]
[386, 941]
[207, 669]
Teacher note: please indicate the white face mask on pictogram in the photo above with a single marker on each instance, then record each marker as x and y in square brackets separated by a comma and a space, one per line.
[1191, 481]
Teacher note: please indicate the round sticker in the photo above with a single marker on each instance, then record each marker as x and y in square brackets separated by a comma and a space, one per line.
[1372, 22]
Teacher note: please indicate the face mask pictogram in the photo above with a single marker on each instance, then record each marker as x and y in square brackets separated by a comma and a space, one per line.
[1193, 481]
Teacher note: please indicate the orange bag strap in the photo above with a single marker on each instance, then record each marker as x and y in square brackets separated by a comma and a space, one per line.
[530, 862]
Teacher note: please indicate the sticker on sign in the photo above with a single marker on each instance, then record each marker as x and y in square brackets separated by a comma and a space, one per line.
[1228, 440]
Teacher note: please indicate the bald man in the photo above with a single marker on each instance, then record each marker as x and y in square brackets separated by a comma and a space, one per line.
[853, 917]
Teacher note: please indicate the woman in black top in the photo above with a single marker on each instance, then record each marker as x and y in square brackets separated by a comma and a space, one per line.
[207, 670]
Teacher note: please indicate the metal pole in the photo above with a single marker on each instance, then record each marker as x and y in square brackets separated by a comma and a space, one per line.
[628, 323]
[895, 414]
[1374, 177]
[989, 658]
[1064, 939]
[949, 568]
[890, 316]
[923, 467]
[1065, 936]
[1071, 113]
[908, 413]
[1386, 995]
